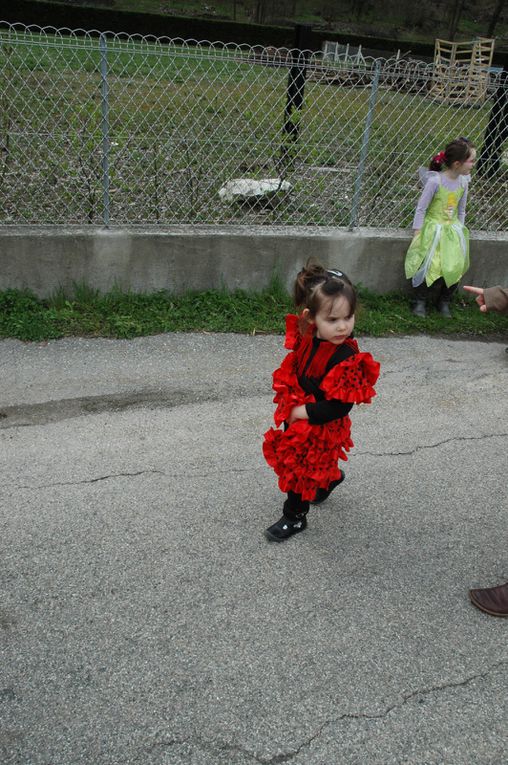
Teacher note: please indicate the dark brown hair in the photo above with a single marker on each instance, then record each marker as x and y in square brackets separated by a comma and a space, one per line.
[316, 285]
[456, 151]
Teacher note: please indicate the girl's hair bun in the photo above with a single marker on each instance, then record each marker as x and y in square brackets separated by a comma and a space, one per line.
[314, 283]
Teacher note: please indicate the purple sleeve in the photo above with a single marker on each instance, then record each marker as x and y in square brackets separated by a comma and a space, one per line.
[428, 192]
[461, 209]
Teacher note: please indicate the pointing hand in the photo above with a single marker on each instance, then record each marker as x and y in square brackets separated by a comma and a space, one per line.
[478, 291]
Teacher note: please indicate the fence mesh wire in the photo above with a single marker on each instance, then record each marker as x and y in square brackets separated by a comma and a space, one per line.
[103, 128]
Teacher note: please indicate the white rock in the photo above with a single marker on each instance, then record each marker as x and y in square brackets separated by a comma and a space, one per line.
[243, 189]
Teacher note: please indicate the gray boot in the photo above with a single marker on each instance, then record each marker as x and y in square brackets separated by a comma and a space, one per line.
[444, 309]
[419, 309]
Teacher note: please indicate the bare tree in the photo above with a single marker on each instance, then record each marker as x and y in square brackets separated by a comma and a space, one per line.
[455, 14]
[416, 13]
[329, 12]
[495, 17]
[360, 7]
[262, 11]
[259, 11]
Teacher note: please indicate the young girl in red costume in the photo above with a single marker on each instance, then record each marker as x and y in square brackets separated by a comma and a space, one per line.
[316, 386]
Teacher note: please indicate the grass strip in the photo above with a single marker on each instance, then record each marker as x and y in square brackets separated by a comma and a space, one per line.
[119, 314]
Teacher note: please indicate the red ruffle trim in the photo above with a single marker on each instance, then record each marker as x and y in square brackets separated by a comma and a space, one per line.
[288, 392]
[293, 336]
[305, 456]
[352, 381]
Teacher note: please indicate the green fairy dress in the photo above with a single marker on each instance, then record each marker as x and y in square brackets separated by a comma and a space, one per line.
[441, 248]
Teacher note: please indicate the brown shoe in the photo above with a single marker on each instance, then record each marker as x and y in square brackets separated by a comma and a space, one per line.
[492, 600]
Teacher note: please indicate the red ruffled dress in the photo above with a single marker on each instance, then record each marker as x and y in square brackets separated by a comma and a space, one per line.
[305, 456]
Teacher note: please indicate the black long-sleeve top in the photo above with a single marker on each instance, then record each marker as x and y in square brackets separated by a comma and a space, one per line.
[325, 410]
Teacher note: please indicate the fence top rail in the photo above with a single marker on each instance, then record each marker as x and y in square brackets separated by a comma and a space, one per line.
[318, 62]
[85, 37]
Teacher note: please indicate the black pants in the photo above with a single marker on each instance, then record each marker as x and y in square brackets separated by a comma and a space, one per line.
[295, 506]
[438, 291]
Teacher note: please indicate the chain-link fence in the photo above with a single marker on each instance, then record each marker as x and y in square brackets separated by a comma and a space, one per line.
[115, 129]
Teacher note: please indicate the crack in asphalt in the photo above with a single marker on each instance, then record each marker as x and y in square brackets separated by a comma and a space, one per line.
[288, 756]
[230, 471]
[218, 747]
[422, 447]
[91, 480]
[200, 475]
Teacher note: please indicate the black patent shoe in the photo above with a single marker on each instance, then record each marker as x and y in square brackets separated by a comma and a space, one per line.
[285, 528]
[323, 494]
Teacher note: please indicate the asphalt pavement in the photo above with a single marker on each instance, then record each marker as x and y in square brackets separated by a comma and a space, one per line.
[145, 619]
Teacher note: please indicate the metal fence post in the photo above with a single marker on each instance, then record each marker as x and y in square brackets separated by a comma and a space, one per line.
[496, 132]
[105, 128]
[294, 102]
[365, 148]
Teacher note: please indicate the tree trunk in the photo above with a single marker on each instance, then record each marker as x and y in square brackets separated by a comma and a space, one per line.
[456, 13]
[259, 11]
[495, 17]
[358, 7]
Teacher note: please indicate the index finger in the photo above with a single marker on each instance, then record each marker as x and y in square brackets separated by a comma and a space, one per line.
[475, 290]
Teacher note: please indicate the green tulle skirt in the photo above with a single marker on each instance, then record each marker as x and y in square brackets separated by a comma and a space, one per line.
[438, 250]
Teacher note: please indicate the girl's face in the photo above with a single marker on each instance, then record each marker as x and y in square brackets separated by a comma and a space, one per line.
[464, 168]
[334, 321]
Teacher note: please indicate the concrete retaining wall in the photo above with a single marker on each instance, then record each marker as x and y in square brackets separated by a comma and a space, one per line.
[177, 258]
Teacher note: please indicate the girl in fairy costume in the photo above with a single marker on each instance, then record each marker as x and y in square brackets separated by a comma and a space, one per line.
[316, 386]
[438, 256]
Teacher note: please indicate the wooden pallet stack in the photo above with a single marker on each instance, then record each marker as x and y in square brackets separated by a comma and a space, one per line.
[461, 71]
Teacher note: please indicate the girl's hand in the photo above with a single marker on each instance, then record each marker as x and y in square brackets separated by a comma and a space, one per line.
[298, 413]
[480, 299]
